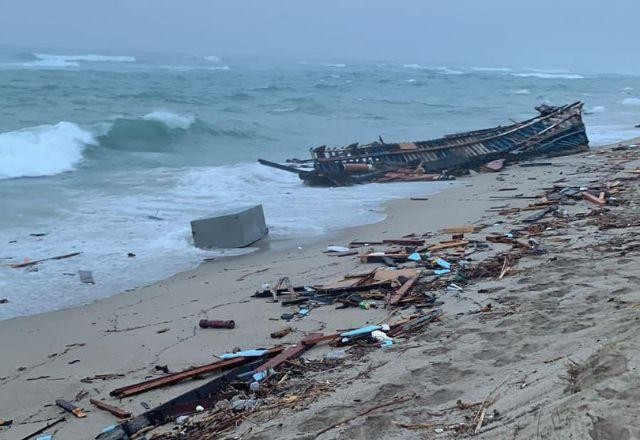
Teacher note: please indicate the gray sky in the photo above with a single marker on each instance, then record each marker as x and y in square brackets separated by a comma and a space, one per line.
[577, 34]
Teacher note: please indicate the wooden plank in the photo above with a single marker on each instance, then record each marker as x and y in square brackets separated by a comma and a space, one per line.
[461, 230]
[448, 245]
[404, 241]
[118, 412]
[171, 379]
[403, 290]
[593, 199]
[290, 353]
[31, 263]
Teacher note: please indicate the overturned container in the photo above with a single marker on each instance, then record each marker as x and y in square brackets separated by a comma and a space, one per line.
[230, 229]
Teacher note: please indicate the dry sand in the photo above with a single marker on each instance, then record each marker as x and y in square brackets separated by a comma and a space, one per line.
[573, 304]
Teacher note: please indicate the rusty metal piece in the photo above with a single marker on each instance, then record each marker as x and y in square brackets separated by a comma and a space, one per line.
[70, 407]
[118, 412]
[281, 333]
[213, 323]
[171, 379]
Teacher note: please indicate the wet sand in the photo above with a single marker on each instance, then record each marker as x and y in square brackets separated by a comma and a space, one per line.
[578, 306]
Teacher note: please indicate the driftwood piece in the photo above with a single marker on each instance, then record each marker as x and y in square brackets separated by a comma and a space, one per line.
[31, 263]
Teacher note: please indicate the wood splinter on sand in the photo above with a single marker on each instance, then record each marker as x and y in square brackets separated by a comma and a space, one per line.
[70, 407]
[118, 412]
[31, 263]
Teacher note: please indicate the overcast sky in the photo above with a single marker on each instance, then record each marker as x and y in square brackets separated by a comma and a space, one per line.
[577, 34]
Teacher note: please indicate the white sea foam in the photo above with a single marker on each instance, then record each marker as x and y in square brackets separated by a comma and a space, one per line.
[46, 64]
[522, 92]
[287, 203]
[536, 69]
[491, 69]
[608, 134]
[631, 102]
[106, 227]
[171, 120]
[596, 109]
[440, 69]
[544, 75]
[334, 65]
[43, 150]
[187, 68]
[87, 57]
[447, 71]
[210, 58]
[283, 110]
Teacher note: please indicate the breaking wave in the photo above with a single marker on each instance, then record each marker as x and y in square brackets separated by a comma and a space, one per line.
[88, 58]
[548, 74]
[210, 58]
[164, 131]
[443, 70]
[43, 150]
[154, 131]
[171, 120]
[631, 102]
[491, 69]
[46, 64]
[522, 92]
[46, 150]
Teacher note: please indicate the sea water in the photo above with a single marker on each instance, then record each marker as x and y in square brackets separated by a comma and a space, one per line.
[114, 154]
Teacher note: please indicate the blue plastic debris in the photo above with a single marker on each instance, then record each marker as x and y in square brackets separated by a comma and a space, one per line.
[441, 271]
[414, 257]
[257, 377]
[303, 312]
[443, 263]
[257, 352]
[360, 331]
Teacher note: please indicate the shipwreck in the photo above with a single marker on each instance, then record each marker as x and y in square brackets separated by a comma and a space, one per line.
[555, 131]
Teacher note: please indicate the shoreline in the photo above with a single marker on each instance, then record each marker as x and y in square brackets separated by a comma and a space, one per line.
[267, 246]
[122, 335]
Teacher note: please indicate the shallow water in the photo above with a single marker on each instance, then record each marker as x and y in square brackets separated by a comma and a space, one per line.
[94, 148]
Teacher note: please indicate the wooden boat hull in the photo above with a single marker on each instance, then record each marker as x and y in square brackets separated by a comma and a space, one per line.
[556, 131]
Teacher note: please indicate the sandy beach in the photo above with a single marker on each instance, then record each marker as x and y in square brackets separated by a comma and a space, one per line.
[555, 353]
